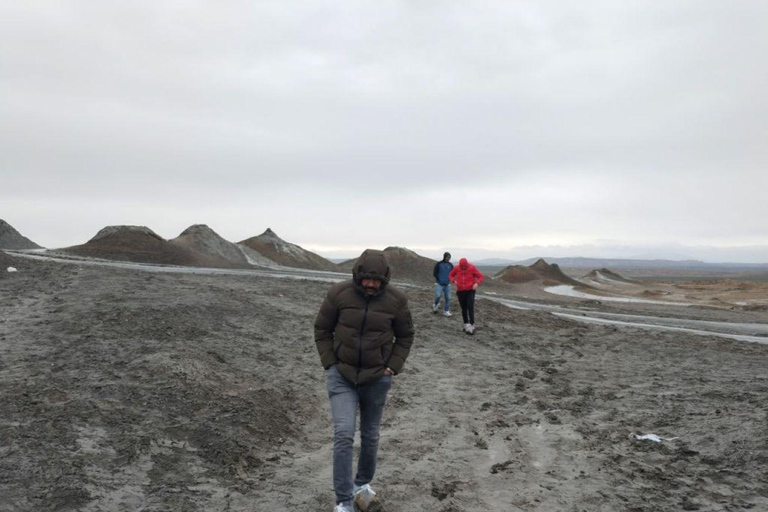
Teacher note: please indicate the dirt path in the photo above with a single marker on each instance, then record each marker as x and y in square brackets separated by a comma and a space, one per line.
[124, 390]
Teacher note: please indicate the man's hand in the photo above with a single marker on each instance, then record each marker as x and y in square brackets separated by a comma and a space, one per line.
[388, 372]
[474, 286]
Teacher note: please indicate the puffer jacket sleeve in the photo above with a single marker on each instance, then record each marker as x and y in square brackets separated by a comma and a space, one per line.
[402, 326]
[478, 275]
[325, 323]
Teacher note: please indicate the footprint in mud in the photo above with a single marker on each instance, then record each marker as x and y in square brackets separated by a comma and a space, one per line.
[443, 490]
[501, 467]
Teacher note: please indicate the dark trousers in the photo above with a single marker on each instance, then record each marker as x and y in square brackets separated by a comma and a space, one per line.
[467, 303]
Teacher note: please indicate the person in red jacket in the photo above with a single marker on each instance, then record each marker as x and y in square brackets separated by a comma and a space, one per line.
[467, 278]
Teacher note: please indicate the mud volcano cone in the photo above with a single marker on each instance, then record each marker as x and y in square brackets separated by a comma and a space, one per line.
[539, 271]
[12, 239]
[133, 243]
[404, 264]
[285, 253]
[209, 246]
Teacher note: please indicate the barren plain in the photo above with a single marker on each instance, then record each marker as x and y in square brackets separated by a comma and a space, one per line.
[127, 389]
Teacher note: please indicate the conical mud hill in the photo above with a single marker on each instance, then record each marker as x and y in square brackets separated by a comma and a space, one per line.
[407, 264]
[540, 271]
[208, 244]
[12, 239]
[605, 275]
[403, 263]
[271, 246]
[136, 244]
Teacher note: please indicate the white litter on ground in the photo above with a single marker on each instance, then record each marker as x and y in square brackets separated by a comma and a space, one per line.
[654, 438]
[12, 269]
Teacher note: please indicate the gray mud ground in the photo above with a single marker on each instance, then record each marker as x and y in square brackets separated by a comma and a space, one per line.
[122, 390]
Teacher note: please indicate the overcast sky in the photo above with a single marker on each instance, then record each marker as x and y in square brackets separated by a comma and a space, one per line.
[491, 128]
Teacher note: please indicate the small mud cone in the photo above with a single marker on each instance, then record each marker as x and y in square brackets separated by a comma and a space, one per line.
[375, 506]
[368, 502]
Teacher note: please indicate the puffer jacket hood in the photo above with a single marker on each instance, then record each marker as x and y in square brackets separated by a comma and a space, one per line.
[463, 263]
[372, 264]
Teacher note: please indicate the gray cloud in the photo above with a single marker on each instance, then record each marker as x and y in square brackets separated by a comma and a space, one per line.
[484, 124]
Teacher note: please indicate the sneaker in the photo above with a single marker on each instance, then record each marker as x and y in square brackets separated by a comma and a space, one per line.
[471, 329]
[342, 508]
[447, 313]
[434, 307]
[364, 495]
[466, 328]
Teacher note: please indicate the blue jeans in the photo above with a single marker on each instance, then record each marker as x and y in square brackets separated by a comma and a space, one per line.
[346, 397]
[443, 290]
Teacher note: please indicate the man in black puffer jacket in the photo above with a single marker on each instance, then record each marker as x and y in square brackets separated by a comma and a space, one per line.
[363, 334]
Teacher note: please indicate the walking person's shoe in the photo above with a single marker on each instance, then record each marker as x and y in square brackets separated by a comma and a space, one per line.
[471, 329]
[342, 508]
[364, 496]
[466, 328]
[447, 313]
[434, 307]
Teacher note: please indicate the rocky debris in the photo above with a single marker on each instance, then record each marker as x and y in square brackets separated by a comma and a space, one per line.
[12, 239]
[539, 271]
[271, 246]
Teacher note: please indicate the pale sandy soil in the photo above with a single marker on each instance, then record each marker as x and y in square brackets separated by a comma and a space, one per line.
[128, 390]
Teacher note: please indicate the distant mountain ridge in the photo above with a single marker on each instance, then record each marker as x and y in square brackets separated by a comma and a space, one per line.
[592, 263]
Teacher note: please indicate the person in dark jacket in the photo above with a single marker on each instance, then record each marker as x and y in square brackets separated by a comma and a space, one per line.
[443, 284]
[467, 278]
[363, 334]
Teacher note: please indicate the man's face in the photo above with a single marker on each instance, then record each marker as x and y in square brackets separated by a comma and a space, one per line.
[371, 286]
[446, 259]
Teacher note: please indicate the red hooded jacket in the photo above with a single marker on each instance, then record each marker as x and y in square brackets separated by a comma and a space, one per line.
[465, 275]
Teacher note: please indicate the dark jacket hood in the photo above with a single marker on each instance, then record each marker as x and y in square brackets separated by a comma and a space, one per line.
[372, 264]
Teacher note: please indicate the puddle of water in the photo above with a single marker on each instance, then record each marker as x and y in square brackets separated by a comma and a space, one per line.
[586, 319]
[569, 291]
